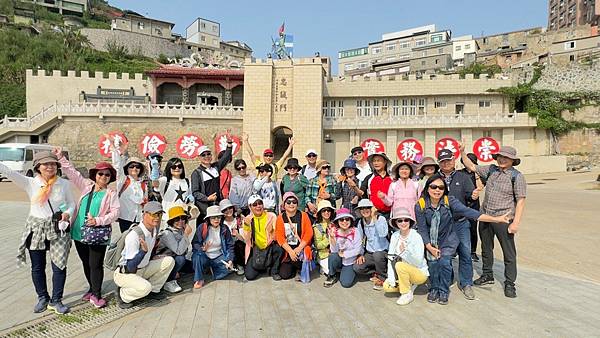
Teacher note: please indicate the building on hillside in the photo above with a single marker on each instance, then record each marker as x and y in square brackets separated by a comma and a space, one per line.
[464, 50]
[65, 7]
[421, 50]
[136, 23]
[575, 50]
[571, 13]
[203, 36]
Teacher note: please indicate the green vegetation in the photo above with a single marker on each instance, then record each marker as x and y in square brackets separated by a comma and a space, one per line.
[69, 319]
[478, 68]
[548, 106]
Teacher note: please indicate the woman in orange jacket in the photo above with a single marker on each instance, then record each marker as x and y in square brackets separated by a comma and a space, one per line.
[294, 233]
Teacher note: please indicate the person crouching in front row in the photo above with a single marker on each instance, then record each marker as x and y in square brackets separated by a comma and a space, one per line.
[346, 246]
[137, 275]
[212, 247]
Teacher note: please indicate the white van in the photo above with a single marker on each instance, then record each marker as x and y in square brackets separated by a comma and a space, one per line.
[19, 156]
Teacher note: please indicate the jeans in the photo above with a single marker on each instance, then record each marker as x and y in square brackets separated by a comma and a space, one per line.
[201, 261]
[276, 252]
[440, 274]
[465, 264]
[38, 275]
[374, 262]
[92, 259]
[509, 250]
[347, 274]
[179, 263]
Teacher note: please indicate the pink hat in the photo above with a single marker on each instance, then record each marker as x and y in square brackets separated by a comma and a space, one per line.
[288, 195]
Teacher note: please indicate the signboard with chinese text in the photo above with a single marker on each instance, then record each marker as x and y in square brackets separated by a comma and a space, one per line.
[372, 146]
[448, 143]
[113, 138]
[187, 145]
[152, 143]
[221, 143]
[409, 150]
[484, 148]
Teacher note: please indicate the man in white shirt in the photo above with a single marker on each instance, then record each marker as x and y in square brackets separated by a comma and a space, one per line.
[137, 275]
[309, 170]
[362, 164]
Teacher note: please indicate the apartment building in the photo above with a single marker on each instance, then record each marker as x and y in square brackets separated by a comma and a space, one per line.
[136, 23]
[70, 7]
[571, 13]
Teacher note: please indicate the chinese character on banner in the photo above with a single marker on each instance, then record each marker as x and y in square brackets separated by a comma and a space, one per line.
[372, 146]
[152, 143]
[221, 143]
[115, 137]
[484, 148]
[409, 150]
[448, 143]
[188, 144]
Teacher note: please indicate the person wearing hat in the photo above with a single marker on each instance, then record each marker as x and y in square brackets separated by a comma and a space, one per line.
[427, 168]
[138, 275]
[294, 182]
[378, 180]
[479, 184]
[407, 267]
[268, 155]
[294, 233]
[259, 235]
[309, 170]
[506, 190]
[321, 228]
[348, 185]
[174, 188]
[375, 231]
[206, 179]
[346, 246]
[461, 187]
[267, 188]
[358, 154]
[174, 241]
[225, 177]
[49, 195]
[241, 186]
[151, 175]
[436, 212]
[132, 189]
[98, 207]
[321, 187]
[403, 192]
[212, 247]
[235, 224]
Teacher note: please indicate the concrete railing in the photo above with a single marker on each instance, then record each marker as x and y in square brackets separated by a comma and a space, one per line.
[430, 121]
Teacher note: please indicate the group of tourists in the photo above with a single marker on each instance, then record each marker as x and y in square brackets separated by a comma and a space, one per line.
[399, 225]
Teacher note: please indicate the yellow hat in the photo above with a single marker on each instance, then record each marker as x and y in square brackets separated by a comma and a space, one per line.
[177, 211]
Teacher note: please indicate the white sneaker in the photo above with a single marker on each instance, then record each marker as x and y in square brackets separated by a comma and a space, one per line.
[240, 270]
[172, 287]
[405, 299]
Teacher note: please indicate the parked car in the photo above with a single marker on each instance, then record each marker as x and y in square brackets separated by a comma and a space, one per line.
[19, 156]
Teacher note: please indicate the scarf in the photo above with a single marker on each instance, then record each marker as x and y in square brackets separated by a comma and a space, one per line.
[349, 236]
[433, 231]
[44, 193]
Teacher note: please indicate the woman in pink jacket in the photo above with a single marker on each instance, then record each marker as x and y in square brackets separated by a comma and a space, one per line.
[403, 192]
[97, 209]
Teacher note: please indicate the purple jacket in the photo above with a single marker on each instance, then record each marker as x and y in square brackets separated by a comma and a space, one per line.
[350, 244]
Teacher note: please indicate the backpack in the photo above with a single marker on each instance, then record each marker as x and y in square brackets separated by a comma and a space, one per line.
[303, 169]
[513, 178]
[128, 182]
[421, 203]
[115, 249]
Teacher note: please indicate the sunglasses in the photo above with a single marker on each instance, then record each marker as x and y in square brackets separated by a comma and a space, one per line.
[241, 167]
[438, 187]
[402, 220]
[345, 219]
[325, 167]
[135, 166]
[357, 153]
[257, 203]
[155, 215]
[291, 201]
[215, 217]
[103, 174]
[177, 166]
[179, 218]
[206, 154]
[268, 155]
[327, 210]
[311, 155]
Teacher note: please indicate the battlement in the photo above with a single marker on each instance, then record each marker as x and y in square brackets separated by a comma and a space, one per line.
[413, 77]
[298, 61]
[84, 74]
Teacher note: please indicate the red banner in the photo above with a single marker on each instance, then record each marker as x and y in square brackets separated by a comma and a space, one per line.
[188, 144]
[409, 150]
[113, 138]
[372, 146]
[448, 143]
[152, 143]
[484, 148]
[221, 143]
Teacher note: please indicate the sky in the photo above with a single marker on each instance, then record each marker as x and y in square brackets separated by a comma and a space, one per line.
[329, 26]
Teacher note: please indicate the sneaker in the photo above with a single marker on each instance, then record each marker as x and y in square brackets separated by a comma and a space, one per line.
[120, 302]
[41, 305]
[298, 278]
[483, 280]
[86, 297]
[433, 296]
[443, 299]
[331, 280]
[198, 284]
[276, 277]
[468, 292]
[240, 270]
[474, 257]
[156, 296]
[172, 287]
[97, 302]
[58, 308]
[378, 285]
[405, 299]
[374, 278]
[510, 291]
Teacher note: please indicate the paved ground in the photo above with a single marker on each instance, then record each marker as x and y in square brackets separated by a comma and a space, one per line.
[558, 287]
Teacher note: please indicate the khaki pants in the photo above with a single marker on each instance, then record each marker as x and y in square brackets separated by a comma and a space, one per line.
[408, 275]
[151, 278]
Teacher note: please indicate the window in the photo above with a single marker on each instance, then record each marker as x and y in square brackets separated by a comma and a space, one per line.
[457, 48]
[325, 109]
[421, 104]
[485, 104]
[158, 31]
[362, 65]
[141, 26]
[28, 155]
[437, 61]
[424, 53]
[390, 47]
[376, 50]
[392, 58]
[348, 67]
[569, 45]
[436, 38]
[405, 44]
[375, 107]
[340, 108]
[404, 56]
[359, 108]
[571, 57]
[422, 63]
[440, 104]
[384, 106]
[395, 107]
[367, 108]
[214, 28]
[441, 51]
[203, 38]
[353, 52]
[409, 106]
[203, 25]
[467, 46]
[487, 133]
[420, 42]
